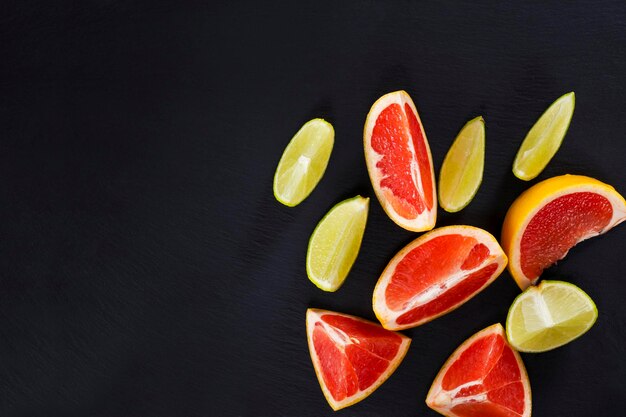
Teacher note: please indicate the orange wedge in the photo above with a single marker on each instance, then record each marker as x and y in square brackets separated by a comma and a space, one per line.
[551, 217]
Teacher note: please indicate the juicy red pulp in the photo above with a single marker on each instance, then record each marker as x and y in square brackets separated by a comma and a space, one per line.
[558, 226]
[393, 141]
[488, 367]
[362, 356]
[430, 265]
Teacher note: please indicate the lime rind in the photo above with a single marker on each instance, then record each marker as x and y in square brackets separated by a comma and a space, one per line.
[549, 316]
[462, 170]
[335, 243]
[544, 139]
[303, 162]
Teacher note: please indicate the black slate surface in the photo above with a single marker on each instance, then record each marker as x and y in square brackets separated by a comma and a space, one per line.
[145, 267]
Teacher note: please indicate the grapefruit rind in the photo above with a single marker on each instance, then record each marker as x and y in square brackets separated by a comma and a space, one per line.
[537, 290]
[310, 168]
[435, 391]
[536, 197]
[312, 315]
[387, 317]
[425, 220]
[348, 255]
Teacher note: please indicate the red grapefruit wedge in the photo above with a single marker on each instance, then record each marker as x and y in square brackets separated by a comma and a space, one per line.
[484, 377]
[436, 273]
[399, 162]
[551, 217]
[351, 356]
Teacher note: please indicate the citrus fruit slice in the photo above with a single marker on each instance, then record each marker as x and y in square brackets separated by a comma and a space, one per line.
[462, 169]
[303, 162]
[548, 316]
[351, 356]
[552, 216]
[399, 162]
[335, 243]
[435, 274]
[483, 377]
[544, 138]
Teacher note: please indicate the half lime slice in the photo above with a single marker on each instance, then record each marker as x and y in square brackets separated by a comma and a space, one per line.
[462, 169]
[303, 162]
[548, 316]
[544, 138]
[335, 243]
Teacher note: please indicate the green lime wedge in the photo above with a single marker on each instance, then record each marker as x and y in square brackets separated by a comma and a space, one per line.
[462, 169]
[544, 138]
[548, 316]
[303, 162]
[335, 243]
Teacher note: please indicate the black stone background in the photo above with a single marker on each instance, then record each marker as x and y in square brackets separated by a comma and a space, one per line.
[145, 267]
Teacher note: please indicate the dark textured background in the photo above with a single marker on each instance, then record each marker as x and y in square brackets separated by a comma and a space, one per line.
[145, 267]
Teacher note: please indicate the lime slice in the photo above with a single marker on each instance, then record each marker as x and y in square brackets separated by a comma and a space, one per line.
[462, 169]
[335, 243]
[548, 316]
[544, 138]
[303, 162]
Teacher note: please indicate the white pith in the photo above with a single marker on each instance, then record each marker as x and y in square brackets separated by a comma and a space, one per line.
[342, 339]
[426, 219]
[447, 400]
[388, 316]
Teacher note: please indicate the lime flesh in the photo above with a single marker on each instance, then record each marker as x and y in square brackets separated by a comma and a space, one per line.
[335, 243]
[303, 162]
[548, 316]
[544, 138]
[462, 169]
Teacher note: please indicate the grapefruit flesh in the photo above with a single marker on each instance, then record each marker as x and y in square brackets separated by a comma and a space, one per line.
[435, 274]
[400, 163]
[483, 377]
[351, 356]
[551, 217]
[573, 217]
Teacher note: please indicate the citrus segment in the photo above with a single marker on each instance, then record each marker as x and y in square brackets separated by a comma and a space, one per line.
[303, 162]
[462, 168]
[548, 316]
[351, 356]
[335, 243]
[399, 162]
[544, 138]
[435, 274]
[483, 377]
[551, 217]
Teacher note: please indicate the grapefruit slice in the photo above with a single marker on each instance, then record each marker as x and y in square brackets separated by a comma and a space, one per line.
[399, 162]
[351, 356]
[551, 217]
[483, 377]
[436, 273]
